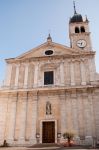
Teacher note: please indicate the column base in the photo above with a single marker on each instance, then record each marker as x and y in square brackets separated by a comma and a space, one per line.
[83, 83]
[73, 84]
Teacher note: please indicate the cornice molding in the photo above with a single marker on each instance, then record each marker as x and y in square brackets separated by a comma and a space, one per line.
[46, 58]
[35, 91]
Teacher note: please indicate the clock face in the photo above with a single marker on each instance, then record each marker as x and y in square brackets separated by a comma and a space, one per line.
[81, 43]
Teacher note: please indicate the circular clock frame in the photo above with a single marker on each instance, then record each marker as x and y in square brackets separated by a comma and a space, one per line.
[81, 43]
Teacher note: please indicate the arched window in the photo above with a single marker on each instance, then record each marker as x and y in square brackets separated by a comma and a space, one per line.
[82, 29]
[76, 30]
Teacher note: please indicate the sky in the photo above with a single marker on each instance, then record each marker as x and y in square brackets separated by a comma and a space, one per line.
[25, 24]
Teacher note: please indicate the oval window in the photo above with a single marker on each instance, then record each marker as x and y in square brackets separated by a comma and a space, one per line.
[48, 52]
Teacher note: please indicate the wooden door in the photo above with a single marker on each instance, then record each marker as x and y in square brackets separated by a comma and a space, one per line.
[48, 132]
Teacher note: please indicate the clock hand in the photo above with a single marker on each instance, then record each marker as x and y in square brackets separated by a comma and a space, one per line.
[80, 43]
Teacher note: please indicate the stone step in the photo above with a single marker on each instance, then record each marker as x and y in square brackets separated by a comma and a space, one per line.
[44, 145]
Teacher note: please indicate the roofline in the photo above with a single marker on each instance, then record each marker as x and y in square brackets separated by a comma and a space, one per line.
[41, 45]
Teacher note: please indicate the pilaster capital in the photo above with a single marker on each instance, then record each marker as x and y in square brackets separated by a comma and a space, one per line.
[26, 64]
[17, 65]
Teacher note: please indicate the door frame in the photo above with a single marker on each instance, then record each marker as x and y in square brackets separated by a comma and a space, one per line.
[41, 126]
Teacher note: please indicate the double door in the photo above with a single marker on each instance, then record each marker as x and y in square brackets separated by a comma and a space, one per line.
[48, 132]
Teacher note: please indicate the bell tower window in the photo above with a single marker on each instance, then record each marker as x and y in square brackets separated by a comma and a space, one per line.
[82, 29]
[48, 77]
[76, 30]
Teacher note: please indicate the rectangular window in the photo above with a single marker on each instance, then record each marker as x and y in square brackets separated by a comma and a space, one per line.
[48, 77]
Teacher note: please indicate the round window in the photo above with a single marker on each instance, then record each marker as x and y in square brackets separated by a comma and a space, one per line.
[48, 52]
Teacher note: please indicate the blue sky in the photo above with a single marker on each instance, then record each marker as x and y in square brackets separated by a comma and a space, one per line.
[25, 24]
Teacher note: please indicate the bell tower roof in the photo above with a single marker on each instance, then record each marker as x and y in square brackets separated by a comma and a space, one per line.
[76, 17]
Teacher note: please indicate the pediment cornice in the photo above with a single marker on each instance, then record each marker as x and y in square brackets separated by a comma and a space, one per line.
[59, 50]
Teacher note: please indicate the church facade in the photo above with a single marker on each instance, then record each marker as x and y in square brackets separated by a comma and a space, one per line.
[52, 89]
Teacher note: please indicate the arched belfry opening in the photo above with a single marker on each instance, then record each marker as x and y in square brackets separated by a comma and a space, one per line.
[82, 29]
[76, 30]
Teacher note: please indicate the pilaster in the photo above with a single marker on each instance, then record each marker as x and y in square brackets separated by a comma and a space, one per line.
[36, 75]
[8, 75]
[34, 118]
[23, 112]
[26, 76]
[72, 73]
[10, 124]
[74, 111]
[83, 74]
[63, 112]
[81, 121]
[69, 119]
[12, 83]
[92, 69]
[21, 75]
[17, 75]
[92, 114]
[62, 73]
[3, 116]
[87, 114]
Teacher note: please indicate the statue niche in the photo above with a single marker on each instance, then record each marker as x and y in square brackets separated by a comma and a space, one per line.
[48, 108]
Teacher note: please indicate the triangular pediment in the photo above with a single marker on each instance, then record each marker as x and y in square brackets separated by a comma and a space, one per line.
[58, 49]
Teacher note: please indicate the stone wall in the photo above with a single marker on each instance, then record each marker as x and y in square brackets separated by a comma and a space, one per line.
[67, 72]
[23, 113]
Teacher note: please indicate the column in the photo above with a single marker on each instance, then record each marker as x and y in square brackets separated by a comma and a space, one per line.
[62, 73]
[17, 76]
[36, 75]
[8, 75]
[26, 76]
[83, 74]
[72, 73]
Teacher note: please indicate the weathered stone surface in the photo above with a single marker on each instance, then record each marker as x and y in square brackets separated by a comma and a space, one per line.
[73, 96]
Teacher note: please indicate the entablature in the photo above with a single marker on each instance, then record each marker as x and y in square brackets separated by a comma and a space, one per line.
[81, 54]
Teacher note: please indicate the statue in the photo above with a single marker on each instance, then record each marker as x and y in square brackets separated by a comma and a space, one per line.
[48, 108]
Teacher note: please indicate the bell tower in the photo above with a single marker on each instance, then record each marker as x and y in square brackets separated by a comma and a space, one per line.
[79, 33]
